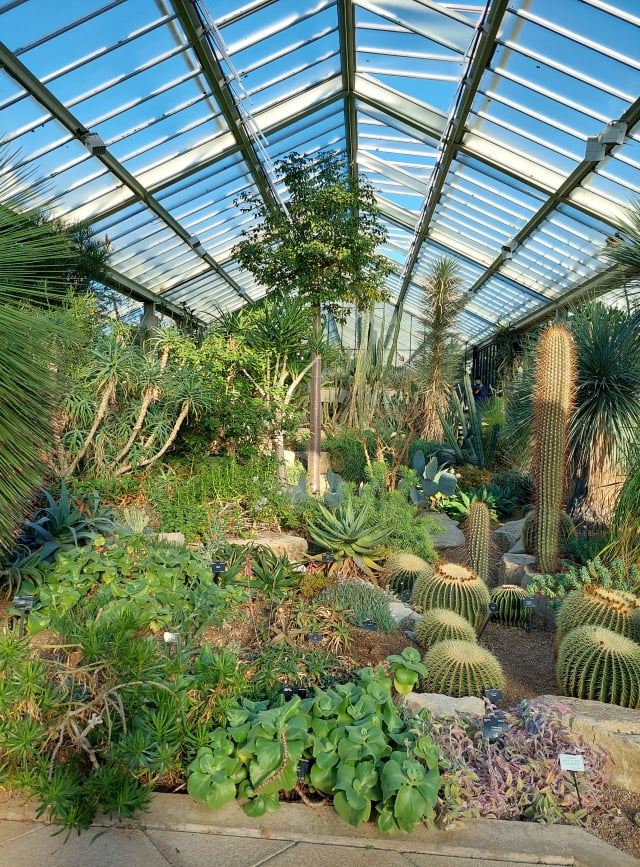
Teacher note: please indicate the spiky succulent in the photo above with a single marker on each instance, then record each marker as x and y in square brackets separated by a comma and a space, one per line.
[453, 586]
[613, 609]
[528, 535]
[598, 664]
[442, 624]
[508, 598]
[478, 530]
[460, 668]
[400, 572]
[347, 534]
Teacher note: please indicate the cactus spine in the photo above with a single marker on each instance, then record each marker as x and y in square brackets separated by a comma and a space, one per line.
[528, 535]
[441, 624]
[400, 572]
[598, 664]
[553, 396]
[478, 537]
[613, 609]
[453, 586]
[460, 668]
[509, 598]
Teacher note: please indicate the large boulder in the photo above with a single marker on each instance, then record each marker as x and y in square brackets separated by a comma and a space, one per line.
[508, 535]
[451, 535]
[513, 568]
[402, 614]
[282, 544]
[614, 729]
[443, 705]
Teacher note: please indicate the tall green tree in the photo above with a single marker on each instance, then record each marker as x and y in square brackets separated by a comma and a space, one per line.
[321, 247]
[437, 360]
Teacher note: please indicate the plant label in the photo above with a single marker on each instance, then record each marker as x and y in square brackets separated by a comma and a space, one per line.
[218, 567]
[528, 602]
[493, 695]
[327, 557]
[570, 762]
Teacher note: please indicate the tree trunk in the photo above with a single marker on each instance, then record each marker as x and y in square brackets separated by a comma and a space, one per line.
[102, 411]
[315, 411]
[169, 442]
[151, 395]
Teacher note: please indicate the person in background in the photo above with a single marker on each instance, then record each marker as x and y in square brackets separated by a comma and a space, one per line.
[479, 391]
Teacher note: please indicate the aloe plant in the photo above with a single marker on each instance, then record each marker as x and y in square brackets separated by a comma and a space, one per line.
[469, 419]
[347, 534]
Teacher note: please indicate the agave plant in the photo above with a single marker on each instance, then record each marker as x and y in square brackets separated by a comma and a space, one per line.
[349, 536]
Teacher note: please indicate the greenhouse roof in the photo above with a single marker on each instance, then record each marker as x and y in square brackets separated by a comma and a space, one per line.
[505, 134]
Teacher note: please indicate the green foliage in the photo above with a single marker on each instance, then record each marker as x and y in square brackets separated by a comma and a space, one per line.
[347, 455]
[66, 523]
[616, 610]
[477, 447]
[461, 668]
[348, 534]
[323, 248]
[359, 750]
[265, 574]
[334, 494]
[406, 669]
[170, 586]
[361, 601]
[427, 447]
[613, 575]
[598, 664]
[508, 598]
[92, 726]
[400, 572]
[449, 585]
[433, 480]
[459, 505]
[442, 624]
[510, 490]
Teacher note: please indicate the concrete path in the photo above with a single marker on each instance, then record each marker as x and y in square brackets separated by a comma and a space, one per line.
[179, 833]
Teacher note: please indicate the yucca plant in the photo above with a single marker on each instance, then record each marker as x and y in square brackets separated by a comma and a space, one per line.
[348, 536]
[400, 572]
[461, 668]
[442, 624]
[453, 586]
[598, 664]
[508, 598]
[616, 610]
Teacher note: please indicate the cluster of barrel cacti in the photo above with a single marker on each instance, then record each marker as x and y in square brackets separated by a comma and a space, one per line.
[598, 643]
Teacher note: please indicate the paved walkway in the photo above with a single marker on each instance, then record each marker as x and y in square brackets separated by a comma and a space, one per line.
[179, 833]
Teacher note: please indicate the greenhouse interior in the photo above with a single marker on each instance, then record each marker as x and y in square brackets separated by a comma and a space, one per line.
[320, 396]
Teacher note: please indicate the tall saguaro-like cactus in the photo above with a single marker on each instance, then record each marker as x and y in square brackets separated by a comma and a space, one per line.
[553, 397]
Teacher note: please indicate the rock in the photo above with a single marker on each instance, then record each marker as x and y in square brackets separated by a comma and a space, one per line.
[443, 705]
[508, 535]
[400, 611]
[451, 536]
[282, 544]
[512, 568]
[614, 729]
[171, 538]
[289, 457]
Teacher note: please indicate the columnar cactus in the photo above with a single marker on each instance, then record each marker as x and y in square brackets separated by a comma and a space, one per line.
[460, 668]
[400, 572]
[441, 624]
[508, 598]
[478, 532]
[598, 664]
[453, 586]
[528, 534]
[602, 606]
[553, 397]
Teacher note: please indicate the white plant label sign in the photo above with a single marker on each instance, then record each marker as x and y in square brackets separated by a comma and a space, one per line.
[570, 762]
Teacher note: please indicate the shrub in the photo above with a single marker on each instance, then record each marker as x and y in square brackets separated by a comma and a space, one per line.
[347, 455]
[362, 601]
